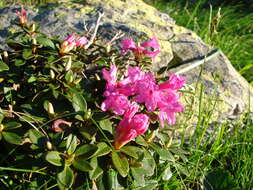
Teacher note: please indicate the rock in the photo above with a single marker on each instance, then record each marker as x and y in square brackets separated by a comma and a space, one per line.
[224, 92]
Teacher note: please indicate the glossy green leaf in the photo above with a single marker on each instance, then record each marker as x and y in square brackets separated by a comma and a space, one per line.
[19, 62]
[163, 153]
[12, 138]
[97, 171]
[112, 180]
[27, 53]
[37, 138]
[141, 141]
[106, 125]
[130, 151]
[79, 102]
[45, 42]
[148, 163]
[31, 79]
[102, 150]
[12, 125]
[82, 165]
[86, 150]
[65, 178]
[69, 76]
[1, 116]
[54, 158]
[3, 66]
[71, 143]
[138, 176]
[120, 163]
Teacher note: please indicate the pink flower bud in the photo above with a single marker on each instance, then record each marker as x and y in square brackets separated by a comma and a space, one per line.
[68, 44]
[22, 16]
[129, 128]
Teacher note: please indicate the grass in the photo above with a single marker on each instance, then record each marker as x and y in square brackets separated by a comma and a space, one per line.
[229, 28]
[223, 159]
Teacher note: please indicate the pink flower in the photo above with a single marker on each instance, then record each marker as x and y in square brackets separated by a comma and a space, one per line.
[130, 127]
[147, 92]
[167, 113]
[116, 102]
[81, 41]
[175, 82]
[59, 125]
[22, 16]
[111, 75]
[71, 42]
[153, 43]
[128, 44]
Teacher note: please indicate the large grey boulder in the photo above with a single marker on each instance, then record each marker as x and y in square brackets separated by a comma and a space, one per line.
[224, 92]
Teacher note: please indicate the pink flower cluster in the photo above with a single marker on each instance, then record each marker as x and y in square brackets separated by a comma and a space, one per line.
[22, 16]
[71, 42]
[128, 44]
[139, 87]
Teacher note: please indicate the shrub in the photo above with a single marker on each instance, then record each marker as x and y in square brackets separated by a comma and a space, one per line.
[80, 114]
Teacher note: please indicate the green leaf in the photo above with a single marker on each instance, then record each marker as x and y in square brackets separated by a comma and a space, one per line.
[182, 169]
[12, 125]
[82, 165]
[3, 66]
[141, 141]
[79, 103]
[97, 171]
[131, 151]
[12, 138]
[19, 62]
[112, 180]
[138, 176]
[31, 79]
[36, 137]
[167, 174]
[69, 76]
[148, 163]
[71, 144]
[86, 150]
[106, 125]
[54, 158]
[45, 42]
[27, 53]
[163, 153]
[121, 164]
[149, 185]
[102, 150]
[1, 116]
[65, 178]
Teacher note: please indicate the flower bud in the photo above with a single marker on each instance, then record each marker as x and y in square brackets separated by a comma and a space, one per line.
[52, 74]
[34, 41]
[1, 127]
[50, 108]
[69, 64]
[49, 145]
[33, 27]
[5, 53]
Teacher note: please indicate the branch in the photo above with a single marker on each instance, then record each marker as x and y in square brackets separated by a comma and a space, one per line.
[100, 15]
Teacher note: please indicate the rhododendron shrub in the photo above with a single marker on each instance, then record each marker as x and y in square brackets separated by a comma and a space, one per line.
[76, 113]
